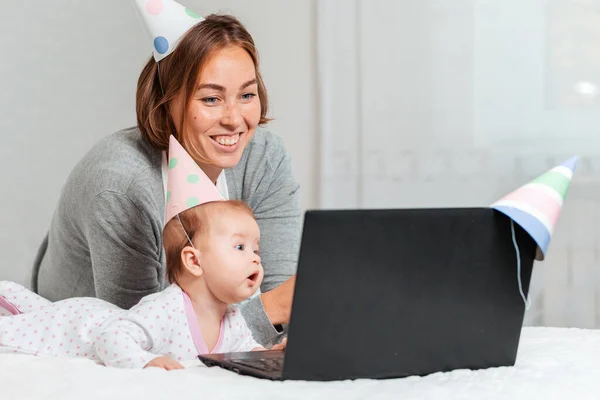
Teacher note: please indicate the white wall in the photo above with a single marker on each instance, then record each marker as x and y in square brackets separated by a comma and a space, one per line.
[435, 103]
[68, 72]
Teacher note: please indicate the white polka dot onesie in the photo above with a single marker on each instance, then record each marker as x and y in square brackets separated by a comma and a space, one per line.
[160, 324]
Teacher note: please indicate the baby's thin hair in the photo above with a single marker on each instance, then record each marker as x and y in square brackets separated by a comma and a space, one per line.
[193, 223]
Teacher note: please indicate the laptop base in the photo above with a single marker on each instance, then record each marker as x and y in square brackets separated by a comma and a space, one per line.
[259, 364]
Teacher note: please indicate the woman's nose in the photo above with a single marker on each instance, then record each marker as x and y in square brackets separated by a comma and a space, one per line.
[232, 117]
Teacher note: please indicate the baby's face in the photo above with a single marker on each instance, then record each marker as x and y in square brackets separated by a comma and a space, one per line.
[230, 260]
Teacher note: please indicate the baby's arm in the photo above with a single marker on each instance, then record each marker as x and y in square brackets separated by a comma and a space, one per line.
[132, 340]
[242, 334]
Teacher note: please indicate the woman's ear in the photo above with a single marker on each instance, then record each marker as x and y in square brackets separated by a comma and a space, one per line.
[191, 260]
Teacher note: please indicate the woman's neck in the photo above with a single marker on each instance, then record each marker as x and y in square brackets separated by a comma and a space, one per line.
[211, 171]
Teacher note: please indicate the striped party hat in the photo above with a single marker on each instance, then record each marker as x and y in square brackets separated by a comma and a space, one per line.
[187, 185]
[166, 22]
[536, 205]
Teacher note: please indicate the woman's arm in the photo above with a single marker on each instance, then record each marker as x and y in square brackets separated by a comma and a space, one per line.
[276, 203]
[278, 302]
[123, 250]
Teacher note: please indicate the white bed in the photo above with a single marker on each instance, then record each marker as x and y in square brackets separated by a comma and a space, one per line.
[552, 363]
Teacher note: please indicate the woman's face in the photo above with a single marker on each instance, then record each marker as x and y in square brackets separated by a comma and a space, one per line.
[224, 110]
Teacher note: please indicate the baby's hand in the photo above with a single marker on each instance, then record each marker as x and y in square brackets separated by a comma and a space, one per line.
[164, 362]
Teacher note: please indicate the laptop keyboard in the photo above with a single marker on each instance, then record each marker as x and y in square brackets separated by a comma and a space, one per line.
[268, 364]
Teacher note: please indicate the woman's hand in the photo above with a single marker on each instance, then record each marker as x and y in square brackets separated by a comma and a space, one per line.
[280, 346]
[164, 362]
[278, 302]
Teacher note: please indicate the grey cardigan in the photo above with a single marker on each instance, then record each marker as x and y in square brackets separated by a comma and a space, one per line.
[105, 238]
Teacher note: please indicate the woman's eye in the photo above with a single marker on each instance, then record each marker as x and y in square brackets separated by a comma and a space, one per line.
[240, 247]
[248, 96]
[210, 100]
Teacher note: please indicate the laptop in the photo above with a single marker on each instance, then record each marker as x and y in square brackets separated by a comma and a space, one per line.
[394, 293]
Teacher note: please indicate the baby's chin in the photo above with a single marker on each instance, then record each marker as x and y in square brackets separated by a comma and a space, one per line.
[240, 297]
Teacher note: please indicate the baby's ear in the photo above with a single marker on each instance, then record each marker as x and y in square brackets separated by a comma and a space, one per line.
[191, 260]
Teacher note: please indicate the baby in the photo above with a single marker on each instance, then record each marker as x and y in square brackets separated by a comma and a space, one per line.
[211, 247]
[219, 265]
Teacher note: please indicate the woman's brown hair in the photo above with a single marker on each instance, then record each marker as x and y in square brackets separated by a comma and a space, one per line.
[160, 82]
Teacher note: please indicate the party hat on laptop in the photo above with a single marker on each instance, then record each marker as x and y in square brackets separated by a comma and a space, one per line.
[166, 22]
[187, 185]
[536, 206]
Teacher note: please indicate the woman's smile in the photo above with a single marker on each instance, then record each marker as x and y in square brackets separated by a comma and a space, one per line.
[227, 143]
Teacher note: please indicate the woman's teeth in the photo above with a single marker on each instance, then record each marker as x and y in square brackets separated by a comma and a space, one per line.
[227, 140]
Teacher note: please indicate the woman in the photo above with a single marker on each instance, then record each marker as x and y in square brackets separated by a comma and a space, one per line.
[105, 239]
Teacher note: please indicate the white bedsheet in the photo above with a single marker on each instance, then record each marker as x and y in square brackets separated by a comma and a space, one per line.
[552, 363]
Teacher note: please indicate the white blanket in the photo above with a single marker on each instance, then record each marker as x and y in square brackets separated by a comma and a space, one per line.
[552, 363]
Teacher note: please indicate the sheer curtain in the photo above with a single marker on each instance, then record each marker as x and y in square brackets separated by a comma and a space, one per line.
[456, 103]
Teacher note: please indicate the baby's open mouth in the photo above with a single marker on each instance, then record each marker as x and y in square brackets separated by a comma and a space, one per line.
[253, 277]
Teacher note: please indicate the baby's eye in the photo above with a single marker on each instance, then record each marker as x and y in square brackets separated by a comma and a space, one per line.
[256, 251]
[240, 247]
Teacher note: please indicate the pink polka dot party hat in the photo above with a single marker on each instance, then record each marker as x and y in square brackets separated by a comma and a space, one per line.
[166, 21]
[187, 185]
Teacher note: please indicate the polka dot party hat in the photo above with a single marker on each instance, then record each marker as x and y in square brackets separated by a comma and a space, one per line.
[187, 185]
[537, 205]
[166, 21]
